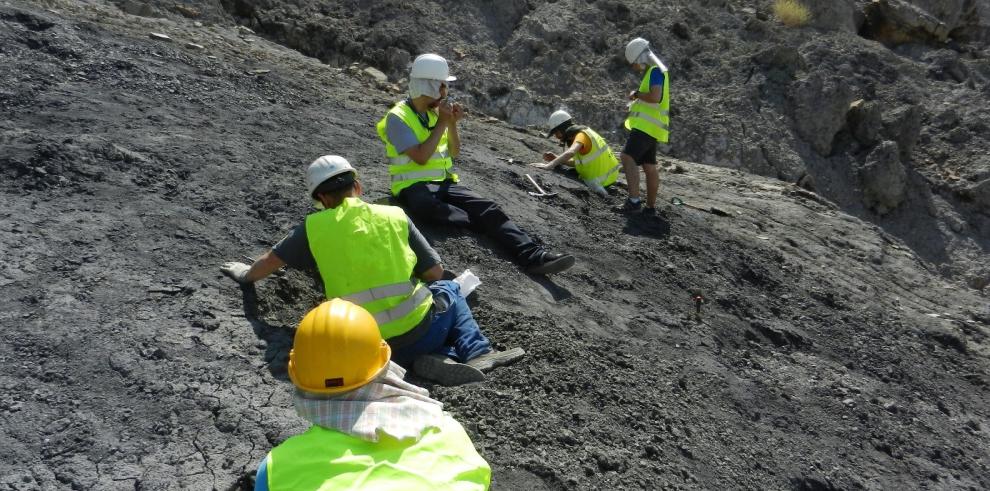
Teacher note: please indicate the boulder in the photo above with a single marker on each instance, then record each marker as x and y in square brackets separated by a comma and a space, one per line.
[903, 125]
[834, 15]
[883, 178]
[375, 75]
[944, 64]
[820, 106]
[865, 122]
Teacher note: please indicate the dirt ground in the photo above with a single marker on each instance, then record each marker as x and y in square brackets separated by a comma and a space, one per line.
[828, 354]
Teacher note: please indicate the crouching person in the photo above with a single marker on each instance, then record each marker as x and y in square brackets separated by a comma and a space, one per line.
[374, 256]
[585, 150]
[370, 429]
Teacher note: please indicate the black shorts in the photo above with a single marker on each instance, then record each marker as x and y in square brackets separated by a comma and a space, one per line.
[641, 147]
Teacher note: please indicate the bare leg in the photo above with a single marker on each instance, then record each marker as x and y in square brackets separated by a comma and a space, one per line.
[652, 184]
[632, 175]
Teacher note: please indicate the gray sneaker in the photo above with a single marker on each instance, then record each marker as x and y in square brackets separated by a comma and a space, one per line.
[493, 359]
[446, 371]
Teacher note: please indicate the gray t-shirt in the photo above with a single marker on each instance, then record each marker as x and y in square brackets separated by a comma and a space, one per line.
[399, 133]
[294, 250]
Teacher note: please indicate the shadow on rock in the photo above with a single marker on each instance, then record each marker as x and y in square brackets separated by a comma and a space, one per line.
[657, 227]
[278, 338]
[558, 292]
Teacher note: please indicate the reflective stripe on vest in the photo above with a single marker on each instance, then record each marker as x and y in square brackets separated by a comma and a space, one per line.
[405, 159]
[362, 253]
[419, 174]
[650, 117]
[604, 177]
[600, 165]
[443, 457]
[406, 307]
[403, 170]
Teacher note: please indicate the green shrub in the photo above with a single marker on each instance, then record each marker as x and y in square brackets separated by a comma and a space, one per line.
[791, 13]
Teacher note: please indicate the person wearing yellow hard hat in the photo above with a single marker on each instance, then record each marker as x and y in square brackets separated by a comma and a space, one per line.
[585, 150]
[421, 140]
[370, 429]
[648, 123]
[374, 256]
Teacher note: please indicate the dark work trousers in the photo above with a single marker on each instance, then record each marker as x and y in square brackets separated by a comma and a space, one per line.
[450, 203]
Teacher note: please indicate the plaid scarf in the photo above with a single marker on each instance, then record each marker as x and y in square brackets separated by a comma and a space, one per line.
[386, 405]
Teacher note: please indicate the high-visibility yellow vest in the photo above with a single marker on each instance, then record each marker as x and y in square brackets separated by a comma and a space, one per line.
[599, 165]
[651, 118]
[323, 459]
[363, 255]
[402, 169]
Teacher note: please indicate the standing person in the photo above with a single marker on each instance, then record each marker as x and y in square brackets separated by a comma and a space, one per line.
[374, 256]
[421, 139]
[369, 428]
[586, 151]
[648, 122]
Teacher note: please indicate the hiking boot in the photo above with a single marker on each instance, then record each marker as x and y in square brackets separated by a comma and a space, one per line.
[631, 206]
[494, 359]
[446, 371]
[550, 262]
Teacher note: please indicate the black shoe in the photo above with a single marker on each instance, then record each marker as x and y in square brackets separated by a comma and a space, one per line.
[649, 212]
[550, 263]
[631, 206]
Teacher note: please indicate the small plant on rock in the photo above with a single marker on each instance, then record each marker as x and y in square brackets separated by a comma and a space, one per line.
[791, 13]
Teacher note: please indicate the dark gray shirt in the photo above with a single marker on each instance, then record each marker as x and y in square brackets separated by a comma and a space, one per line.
[399, 134]
[294, 250]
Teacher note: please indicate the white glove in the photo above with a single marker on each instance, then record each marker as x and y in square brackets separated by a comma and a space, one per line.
[236, 271]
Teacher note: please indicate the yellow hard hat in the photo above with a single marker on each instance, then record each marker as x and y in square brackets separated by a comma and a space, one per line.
[337, 348]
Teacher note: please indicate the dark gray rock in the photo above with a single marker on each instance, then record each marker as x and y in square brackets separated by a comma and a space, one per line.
[820, 105]
[865, 122]
[883, 178]
[903, 125]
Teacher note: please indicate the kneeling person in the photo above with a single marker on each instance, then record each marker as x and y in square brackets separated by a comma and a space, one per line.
[586, 151]
[374, 256]
[370, 429]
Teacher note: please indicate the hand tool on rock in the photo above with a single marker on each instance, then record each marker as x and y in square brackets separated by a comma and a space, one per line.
[713, 210]
[538, 188]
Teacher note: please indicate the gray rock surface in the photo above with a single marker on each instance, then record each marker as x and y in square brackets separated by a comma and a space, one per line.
[883, 178]
[125, 368]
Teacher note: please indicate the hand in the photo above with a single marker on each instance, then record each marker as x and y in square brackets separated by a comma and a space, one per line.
[236, 271]
[457, 111]
[632, 94]
[445, 113]
[549, 156]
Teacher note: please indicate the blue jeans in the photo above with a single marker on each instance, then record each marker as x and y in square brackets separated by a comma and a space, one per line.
[453, 332]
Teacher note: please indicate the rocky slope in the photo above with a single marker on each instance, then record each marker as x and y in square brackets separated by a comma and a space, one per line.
[879, 106]
[829, 353]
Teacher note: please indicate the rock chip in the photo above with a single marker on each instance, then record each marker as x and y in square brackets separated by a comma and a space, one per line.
[159, 36]
[375, 75]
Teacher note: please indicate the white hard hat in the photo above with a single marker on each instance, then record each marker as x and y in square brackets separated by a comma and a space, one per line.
[431, 67]
[324, 168]
[558, 118]
[635, 48]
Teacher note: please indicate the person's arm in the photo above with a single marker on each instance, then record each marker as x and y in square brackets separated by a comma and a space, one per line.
[293, 250]
[453, 138]
[261, 476]
[428, 267]
[562, 159]
[655, 94]
[260, 269]
[421, 153]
